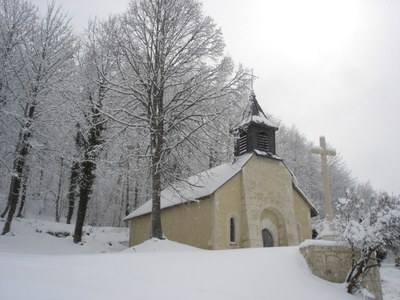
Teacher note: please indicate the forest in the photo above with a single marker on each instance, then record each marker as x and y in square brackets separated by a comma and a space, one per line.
[92, 126]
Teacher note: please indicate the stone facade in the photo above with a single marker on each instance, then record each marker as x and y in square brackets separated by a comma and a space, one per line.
[267, 207]
[332, 262]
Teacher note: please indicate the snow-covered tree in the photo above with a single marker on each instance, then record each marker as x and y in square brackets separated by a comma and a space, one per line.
[172, 66]
[17, 20]
[97, 69]
[44, 59]
[370, 226]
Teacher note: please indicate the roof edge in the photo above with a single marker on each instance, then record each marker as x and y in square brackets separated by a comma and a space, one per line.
[250, 155]
[313, 210]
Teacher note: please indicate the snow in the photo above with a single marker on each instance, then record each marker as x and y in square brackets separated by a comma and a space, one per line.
[307, 243]
[258, 119]
[390, 277]
[31, 236]
[268, 154]
[40, 266]
[156, 245]
[195, 187]
[253, 113]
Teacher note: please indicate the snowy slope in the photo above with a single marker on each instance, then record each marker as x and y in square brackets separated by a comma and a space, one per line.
[153, 270]
[390, 277]
[30, 236]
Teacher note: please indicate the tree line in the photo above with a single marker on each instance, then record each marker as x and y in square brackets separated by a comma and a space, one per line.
[92, 126]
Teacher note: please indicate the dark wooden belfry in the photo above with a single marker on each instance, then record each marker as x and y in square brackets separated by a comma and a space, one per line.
[255, 131]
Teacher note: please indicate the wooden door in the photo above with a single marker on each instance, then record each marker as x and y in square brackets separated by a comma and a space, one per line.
[268, 240]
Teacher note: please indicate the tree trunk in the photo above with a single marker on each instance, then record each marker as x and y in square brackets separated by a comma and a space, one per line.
[156, 98]
[127, 195]
[155, 170]
[39, 191]
[88, 166]
[3, 214]
[125, 200]
[58, 200]
[15, 187]
[23, 194]
[359, 270]
[88, 176]
[136, 200]
[352, 281]
[156, 227]
[72, 194]
[18, 168]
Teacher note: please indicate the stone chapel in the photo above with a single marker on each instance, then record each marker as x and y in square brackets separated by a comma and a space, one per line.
[253, 201]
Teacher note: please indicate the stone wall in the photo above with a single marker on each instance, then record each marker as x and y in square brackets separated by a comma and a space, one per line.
[332, 262]
[267, 190]
[188, 223]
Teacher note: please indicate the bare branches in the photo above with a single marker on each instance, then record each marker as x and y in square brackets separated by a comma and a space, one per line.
[40, 59]
[169, 60]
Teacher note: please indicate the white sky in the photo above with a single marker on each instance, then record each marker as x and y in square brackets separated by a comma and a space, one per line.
[330, 67]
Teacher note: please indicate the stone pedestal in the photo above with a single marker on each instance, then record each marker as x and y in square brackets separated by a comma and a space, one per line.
[329, 232]
[331, 261]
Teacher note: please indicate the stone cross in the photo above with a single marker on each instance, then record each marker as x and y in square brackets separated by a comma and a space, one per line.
[323, 151]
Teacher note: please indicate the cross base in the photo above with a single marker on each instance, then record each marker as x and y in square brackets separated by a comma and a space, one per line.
[329, 232]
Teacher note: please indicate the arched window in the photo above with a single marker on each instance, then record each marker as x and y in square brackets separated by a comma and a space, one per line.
[232, 225]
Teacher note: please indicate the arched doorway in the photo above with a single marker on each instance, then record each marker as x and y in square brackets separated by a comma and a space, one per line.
[272, 220]
[268, 240]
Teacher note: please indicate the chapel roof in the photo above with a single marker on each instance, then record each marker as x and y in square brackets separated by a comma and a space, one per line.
[206, 183]
[195, 187]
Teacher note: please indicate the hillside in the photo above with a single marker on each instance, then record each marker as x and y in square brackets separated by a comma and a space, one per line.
[38, 265]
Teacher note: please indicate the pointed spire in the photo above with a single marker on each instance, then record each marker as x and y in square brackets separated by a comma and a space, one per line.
[253, 113]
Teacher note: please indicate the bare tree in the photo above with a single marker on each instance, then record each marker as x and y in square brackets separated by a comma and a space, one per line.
[172, 66]
[45, 59]
[16, 25]
[97, 64]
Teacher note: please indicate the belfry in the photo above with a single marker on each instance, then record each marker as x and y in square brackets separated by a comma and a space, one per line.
[255, 131]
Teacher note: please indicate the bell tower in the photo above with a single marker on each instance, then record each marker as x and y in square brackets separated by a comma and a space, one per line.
[255, 131]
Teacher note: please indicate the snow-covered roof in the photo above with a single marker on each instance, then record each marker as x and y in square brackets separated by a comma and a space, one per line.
[206, 183]
[195, 187]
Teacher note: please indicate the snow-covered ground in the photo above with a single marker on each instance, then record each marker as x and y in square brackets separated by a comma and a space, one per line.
[38, 265]
[390, 276]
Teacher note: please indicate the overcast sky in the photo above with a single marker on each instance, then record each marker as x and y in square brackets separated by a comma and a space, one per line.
[330, 67]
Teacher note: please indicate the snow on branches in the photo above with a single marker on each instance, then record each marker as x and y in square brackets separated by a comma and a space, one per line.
[372, 228]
